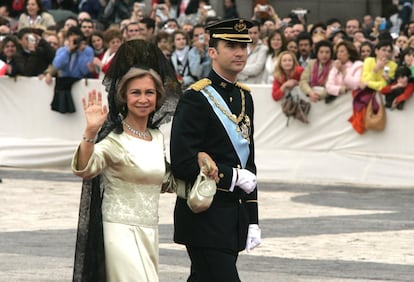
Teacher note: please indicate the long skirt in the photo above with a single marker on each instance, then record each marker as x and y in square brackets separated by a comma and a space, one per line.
[131, 252]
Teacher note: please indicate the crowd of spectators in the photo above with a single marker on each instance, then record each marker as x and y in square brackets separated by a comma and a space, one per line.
[65, 38]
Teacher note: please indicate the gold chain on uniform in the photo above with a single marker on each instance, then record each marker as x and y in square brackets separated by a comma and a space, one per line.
[231, 116]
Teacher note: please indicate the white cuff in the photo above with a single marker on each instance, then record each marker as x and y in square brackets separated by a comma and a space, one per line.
[233, 180]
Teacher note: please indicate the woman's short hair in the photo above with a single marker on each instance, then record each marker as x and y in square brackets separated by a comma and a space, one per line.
[120, 98]
[350, 47]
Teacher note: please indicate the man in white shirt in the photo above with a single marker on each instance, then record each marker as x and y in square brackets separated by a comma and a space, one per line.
[257, 52]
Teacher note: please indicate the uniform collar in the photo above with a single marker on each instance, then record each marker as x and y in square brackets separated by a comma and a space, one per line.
[220, 82]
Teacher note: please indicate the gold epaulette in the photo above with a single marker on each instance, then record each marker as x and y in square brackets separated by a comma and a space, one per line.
[243, 86]
[201, 84]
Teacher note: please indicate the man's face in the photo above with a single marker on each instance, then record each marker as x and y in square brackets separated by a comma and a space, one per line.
[297, 28]
[351, 27]
[268, 26]
[27, 42]
[132, 30]
[69, 23]
[172, 25]
[200, 35]
[144, 32]
[289, 33]
[87, 28]
[410, 29]
[254, 34]
[304, 48]
[228, 58]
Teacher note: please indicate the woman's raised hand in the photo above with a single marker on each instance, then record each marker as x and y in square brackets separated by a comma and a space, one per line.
[95, 113]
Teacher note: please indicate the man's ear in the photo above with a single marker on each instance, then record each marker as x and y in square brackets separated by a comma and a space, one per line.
[212, 52]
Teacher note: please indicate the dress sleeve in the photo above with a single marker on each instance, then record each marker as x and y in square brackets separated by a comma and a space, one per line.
[105, 153]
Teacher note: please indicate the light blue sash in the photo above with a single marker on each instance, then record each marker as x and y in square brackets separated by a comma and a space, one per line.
[239, 143]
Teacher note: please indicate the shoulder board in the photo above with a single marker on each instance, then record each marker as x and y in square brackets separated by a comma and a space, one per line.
[243, 86]
[201, 84]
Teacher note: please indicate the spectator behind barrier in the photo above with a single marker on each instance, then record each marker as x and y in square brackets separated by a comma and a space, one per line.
[199, 61]
[71, 60]
[376, 73]
[35, 15]
[399, 90]
[113, 39]
[287, 75]
[9, 55]
[256, 59]
[345, 73]
[97, 42]
[305, 46]
[292, 46]
[314, 77]
[179, 58]
[146, 28]
[276, 44]
[366, 50]
[36, 52]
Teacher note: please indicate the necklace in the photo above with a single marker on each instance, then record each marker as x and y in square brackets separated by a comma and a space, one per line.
[141, 134]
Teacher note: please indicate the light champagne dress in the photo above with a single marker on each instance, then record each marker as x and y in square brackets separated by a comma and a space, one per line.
[132, 172]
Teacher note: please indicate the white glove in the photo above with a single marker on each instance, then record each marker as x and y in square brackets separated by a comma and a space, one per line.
[246, 180]
[253, 237]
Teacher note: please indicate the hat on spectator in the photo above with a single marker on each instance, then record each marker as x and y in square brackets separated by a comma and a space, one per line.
[38, 29]
[235, 30]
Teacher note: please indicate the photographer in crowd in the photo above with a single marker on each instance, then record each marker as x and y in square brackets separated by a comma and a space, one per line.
[36, 52]
[71, 60]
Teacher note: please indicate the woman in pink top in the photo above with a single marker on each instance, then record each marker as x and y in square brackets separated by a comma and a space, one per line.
[345, 74]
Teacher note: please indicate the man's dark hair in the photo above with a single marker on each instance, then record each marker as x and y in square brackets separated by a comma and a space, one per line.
[256, 23]
[384, 43]
[149, 23]
[74, 30]
[24, 31]
[304, 35]
[86, 21]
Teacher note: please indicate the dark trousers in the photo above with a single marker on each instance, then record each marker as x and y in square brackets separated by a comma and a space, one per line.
[212, 265]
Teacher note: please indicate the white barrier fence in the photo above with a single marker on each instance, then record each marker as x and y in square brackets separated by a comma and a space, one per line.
[325, 151]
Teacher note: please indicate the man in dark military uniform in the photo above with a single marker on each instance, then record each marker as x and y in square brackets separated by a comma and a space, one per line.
[214, 121]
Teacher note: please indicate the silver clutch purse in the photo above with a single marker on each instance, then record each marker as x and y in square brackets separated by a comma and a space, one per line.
[202, 193]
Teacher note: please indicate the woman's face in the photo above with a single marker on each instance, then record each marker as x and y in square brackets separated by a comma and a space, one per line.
[324, 54]
[408, 59]
[402, 42]
[141, 96]
[286, 62]
[97, 42]
[179, 41]
[114, 44]
[342, 54]
[383, 53]
[292, 46]
[32, 7]
[365, 52]
[9, 49]
[276, 42]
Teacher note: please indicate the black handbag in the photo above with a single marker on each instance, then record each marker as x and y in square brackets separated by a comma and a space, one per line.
[62, 99]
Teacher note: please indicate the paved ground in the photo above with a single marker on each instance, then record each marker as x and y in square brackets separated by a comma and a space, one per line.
[310, 233]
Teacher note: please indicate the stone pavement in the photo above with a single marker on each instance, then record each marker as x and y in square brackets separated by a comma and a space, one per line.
[310, 232]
